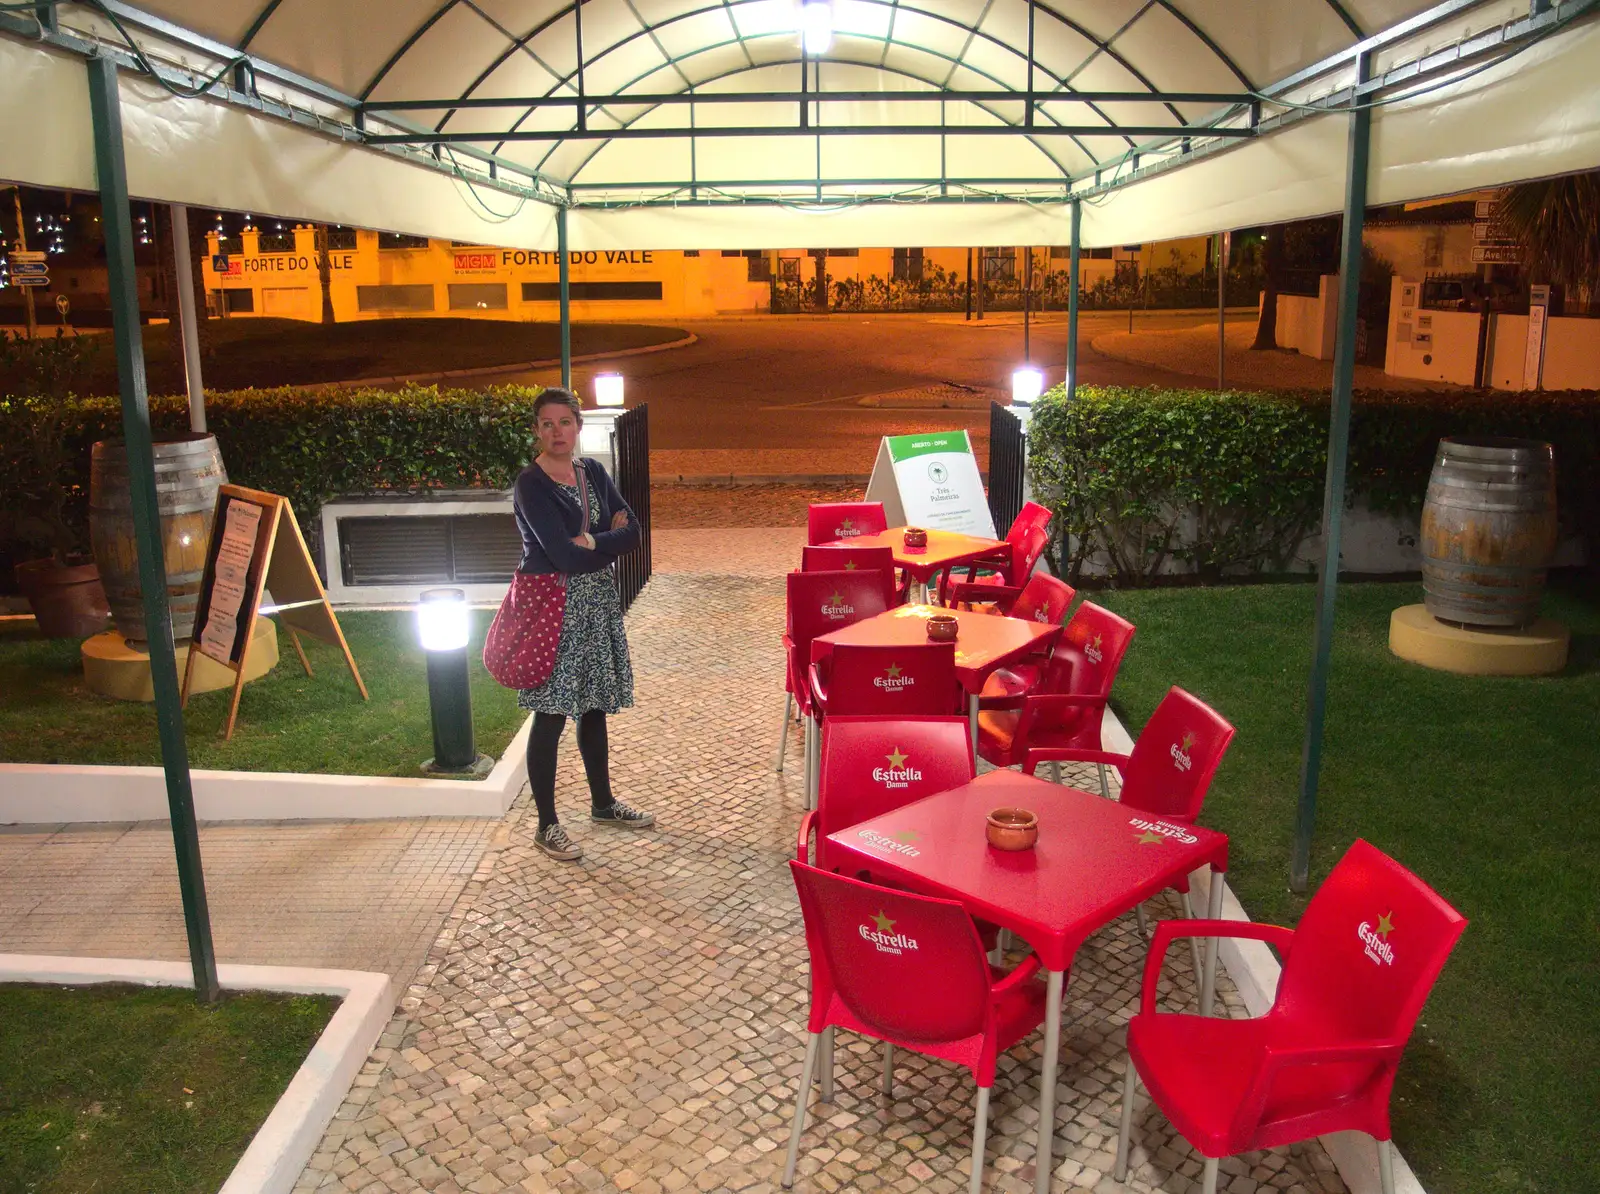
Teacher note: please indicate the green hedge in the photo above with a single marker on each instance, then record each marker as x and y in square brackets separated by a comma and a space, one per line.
[1234, 481]
[308, 445]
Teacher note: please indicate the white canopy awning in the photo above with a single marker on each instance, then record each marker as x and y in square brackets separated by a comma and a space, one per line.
[701, 124]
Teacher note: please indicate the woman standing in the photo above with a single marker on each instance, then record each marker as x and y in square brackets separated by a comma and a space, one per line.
[574, 521]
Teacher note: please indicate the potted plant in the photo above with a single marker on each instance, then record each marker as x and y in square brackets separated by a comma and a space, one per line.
[37, 381]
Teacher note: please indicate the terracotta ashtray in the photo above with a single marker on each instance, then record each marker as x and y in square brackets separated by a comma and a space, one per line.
[916, 537]
[942, 628]
[1013, 829]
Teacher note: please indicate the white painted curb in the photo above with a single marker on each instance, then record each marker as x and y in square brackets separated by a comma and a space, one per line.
[285, 1142]
[47, 794]
[1254, 971]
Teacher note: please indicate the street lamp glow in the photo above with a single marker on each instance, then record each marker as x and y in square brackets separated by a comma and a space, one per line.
[442, 620]
[608, 389]
[1027, 383]
[816, 26]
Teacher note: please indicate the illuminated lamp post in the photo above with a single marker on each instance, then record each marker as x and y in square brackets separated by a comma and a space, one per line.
[443, 628]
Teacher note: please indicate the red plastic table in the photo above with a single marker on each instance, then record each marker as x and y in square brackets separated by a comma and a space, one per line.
[985, 642]
[945, 549]
[1094, 861]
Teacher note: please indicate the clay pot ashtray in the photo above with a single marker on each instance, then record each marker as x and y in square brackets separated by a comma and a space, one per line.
[1013, 829]
[942, 628]
[916, 537]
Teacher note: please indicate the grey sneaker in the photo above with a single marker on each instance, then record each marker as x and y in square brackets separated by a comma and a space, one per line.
[622, 815]
[553, 840]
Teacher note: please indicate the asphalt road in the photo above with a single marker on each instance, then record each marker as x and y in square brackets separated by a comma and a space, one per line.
[798, 382]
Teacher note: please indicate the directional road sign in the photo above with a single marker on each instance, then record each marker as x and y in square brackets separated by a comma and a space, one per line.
[1496, 254]
[31, 281]
[20, 269]
[20, 256]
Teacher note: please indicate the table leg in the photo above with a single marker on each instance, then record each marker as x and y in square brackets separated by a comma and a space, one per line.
[972, 720]
[1047, 1081]
[1208, 984]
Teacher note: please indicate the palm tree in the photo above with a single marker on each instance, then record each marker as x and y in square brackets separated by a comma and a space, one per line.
[324, 272]
[1557, 223]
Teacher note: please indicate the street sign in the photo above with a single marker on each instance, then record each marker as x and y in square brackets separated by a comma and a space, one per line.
[1496, 254]
[21, 256]
[1491, 231]
[63, 305]
[1484, 209]
[30, 281]
[219, 262]
[22, 269]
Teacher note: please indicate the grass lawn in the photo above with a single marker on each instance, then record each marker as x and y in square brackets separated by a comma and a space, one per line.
[284, 352]
[1488, 788]
[126, 1090]
[287, 721]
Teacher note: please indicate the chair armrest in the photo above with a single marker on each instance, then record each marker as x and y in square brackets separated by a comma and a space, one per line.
[1070, 754]
[969, 591]
[1167, 930]
[1025, 970]
[1035, 704]
[1000, 702]
[801, 851]
[1281, 1058]
[819, 693]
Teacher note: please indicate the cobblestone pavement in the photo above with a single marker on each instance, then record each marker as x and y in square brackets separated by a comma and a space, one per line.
[635, 1021]
[355, 895]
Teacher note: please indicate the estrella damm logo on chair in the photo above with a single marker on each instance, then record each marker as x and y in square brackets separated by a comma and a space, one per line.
[893, 680]
[1155, 830]
[1378, 949]
[883, 937]
[900, 843]
[1092, 650]
[897, 774]
[835, 607]
[846, 529]
[1180, 753]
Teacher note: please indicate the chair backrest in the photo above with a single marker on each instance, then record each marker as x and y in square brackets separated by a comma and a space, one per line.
[827, 558]
[1032, 514]
[918, 680]
[1025, 553]
[909, 967]
[827, 521]
[821, 602]
[1366, 952]
[873, 765]
[1091, 646]
[1044, 598]
[1176, 755]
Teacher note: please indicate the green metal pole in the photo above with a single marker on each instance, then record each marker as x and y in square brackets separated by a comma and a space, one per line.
[117, 226]
[564, 271]
[1344, 368]
[1072, 303]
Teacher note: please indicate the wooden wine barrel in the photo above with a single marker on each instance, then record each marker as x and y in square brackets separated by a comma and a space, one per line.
[1488, 530]
[188, 472]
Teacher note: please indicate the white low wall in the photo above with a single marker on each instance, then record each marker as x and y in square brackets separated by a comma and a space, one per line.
[1571, 353]
[1307, 324]
[46, 794]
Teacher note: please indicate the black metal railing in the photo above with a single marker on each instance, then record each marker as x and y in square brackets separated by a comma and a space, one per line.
[633, 479]
[1008, 465]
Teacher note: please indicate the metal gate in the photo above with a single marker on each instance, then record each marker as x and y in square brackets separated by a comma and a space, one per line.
[633, 479]
[1008, 464]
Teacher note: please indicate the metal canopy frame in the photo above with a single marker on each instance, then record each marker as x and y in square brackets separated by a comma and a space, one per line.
[1028, 109]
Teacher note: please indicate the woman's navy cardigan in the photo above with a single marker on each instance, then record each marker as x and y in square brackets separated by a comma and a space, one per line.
[548, 519]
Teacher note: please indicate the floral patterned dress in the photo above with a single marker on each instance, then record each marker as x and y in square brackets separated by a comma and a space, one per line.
[593, 670]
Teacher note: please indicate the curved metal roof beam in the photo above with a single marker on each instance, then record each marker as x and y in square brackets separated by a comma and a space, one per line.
[841, 62]
[1211, 45]
[1349, 21]
[255, 26]
[405, 48]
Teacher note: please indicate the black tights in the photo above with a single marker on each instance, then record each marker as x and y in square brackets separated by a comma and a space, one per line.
[542, 742]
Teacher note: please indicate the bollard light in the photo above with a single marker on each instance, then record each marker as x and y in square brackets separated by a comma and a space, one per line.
[816, 26]
[443, 629]
[1027, 383]
[608, 389]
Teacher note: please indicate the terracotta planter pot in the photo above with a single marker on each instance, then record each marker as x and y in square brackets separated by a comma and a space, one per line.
[67, 600]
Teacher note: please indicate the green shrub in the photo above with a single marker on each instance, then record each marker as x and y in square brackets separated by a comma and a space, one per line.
[1233, 482]
[308, 445]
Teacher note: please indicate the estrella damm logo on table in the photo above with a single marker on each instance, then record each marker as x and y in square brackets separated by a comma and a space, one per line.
[1155, 831]
[900, 843]
[898, 774]
[1092, 650]
[1180, 753]
[893, 680]
[1378, 949]
[883, 937]
[835, 607]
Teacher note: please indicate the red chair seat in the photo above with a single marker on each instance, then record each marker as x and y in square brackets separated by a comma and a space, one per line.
[997, 734]
[1011, 683]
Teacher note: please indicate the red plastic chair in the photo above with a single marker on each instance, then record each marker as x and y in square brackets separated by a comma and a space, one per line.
[821, 602]
[1025, 543]
[918, 680]
[873, 765]
[909, 971]
[828, 558]
[1323, 1059]
[827, 521]
[1063, 710]
[1040, 598]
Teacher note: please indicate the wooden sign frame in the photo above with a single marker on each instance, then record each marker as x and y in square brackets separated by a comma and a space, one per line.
[279, 561]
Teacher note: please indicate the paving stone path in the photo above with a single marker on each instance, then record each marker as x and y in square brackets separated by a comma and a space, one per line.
[635, 1021]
